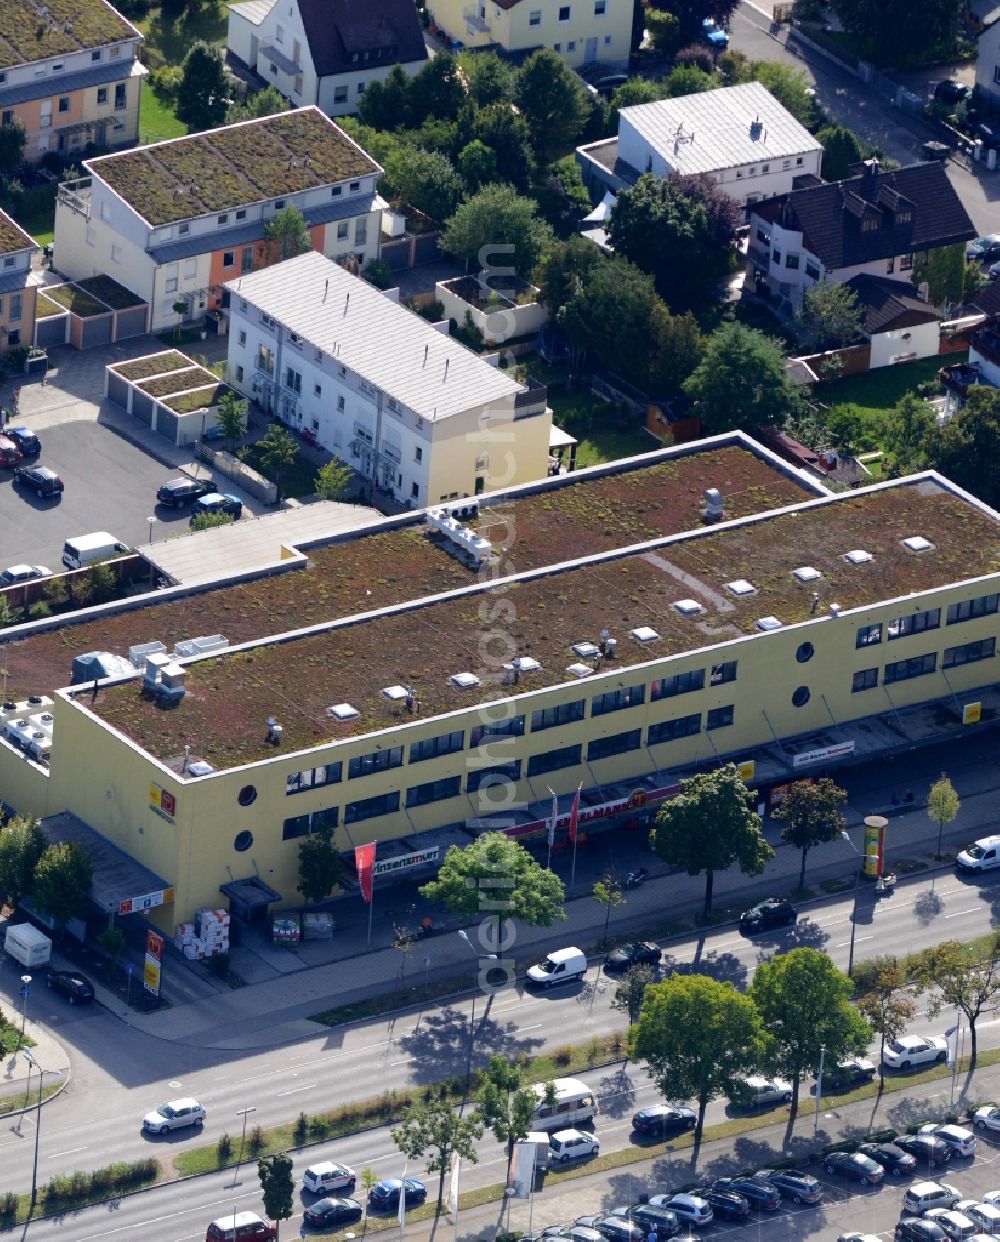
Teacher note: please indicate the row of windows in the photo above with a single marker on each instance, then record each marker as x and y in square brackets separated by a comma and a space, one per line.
[919, 622]
[920, 666]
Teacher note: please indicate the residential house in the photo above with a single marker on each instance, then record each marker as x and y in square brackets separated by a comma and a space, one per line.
[17, 293]
[175, 220]
[69, 75]
[874, 222]
[425, 419]
[900, 326]
[582, 32]
[988, 61]
[982, 367]
[325, 52]
[739, 135]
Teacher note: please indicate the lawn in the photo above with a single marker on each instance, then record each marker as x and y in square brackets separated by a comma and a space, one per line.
[169, 36]
[157, 121]
[36, 213]
[599, 428]
[879, 390]
[299, 480]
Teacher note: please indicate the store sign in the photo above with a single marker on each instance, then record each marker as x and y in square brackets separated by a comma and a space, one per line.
[388, 865]
[162, 802]
[822, 753]
[747, 770]
[152, 969]
[972, 713]
[637, 800]
[148, 901]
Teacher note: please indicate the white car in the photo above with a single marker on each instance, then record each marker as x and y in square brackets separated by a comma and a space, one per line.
[320, 1179]
[567, 1145]
[961, 1141]
[955, 1224]
[174, 1115]
[984, 1216]
[987, 1117]
[910, 1050]
[15, 574]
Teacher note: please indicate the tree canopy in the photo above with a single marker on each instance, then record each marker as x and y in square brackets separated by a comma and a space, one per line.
[841, 148]
[287, 234]
[964, 977]
[22, 843]
[493, 874]
[497, 226]
[277, 1184]
[552, 100]
[436, 91]
[967, 447]
[505, 1103]
[426, 180]
[902, 32]
[202, 97]
[435, 1131]
[12, 140]
[319, 866]
[61, 885]
[741, 381]
[267, 102]
[887, 1006]
[831, 316]
[811, 814]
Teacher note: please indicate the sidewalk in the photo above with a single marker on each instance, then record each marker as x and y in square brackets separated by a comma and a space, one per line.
[18, 1078]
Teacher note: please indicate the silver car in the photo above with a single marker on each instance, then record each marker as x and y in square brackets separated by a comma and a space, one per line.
[174, 1115]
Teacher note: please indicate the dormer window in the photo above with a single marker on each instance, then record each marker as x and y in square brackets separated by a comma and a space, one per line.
[869, 224]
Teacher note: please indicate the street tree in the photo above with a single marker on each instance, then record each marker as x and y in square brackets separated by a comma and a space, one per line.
[805, 1004]
[202, 97]
[404, 942]
[942, 805]
[112, 941]
[12, 140]
[830, 317]
[631, 988]
[709, 826]
[180, 309]
[22, 843]
[888, 1006]
[333, 479]
[695, 1034]
[497, 226]
[505, 1103]
[967, 447]
[552, 99]
[811, 814]
[278, 453]
[841, 148]
[608, 893]
[436, 1131]
[277, 1183]
[965, 977]
[496, 874]
[319, 866]
[61, 884]
[286, 234]
[741, 382]
[232, 418]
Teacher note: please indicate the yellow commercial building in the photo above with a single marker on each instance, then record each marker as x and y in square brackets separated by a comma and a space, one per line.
[582, 32]
[425, 680]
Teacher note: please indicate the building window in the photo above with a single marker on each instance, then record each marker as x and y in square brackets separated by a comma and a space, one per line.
[418, 454]
[719, 717]
[535, 17]
[170, 285]
[890, 266]
[785, 165]
[317, 390]
[616, 700]
[371, 808]
[115, 52]
[121, 96]
[306, 825]
[996, 75]
[917, 623]
[414, 491]
[608, 40]
[243, 338]
[63, 103]
[800, 696]
[564, 13]
[431, 747]
[600, 7]
[354, 186]
[792, 261]
[279, 34]
[763, 237]
[297, 86]
[91, 235]
[183, 229]
[571, 46]
[241, 214]
[96, 55]
[682, 683]
[313, 778]
[671, 730]
[343, 230]
[229, 258]
[375, 761]
[102, 95]
[339, 96]
[904, 670]
[553, 760]
[777, 258]
[15, 307]
[360, 232]
[551, 717]
[812, 271]
[361, 87]
[493, 730]
[434, 791]
[869, 635]
[804, 653]
[557, 47]
[864, 679]
[906, 262]
[617, 744]
[293, 380]
[116, 254]
[721, 673]
[340, 404]
[499, 774]
[265, 360]
[970, 653]
[239, 375]
[798, 161]
[969, 609]
[14, 337]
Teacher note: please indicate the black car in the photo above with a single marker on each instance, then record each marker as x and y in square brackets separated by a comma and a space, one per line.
[760, 1194]
[661, 1120]
[41, 480]
[772, 912]
[331, 1213]
[666, 1223]
[919, 1231]
[635, 953]
[928, 1150]
[794, 1185]
[891, 1157]
[951, 92]
[982, 249]
[384, 1195]
[725, 1203]
[855, 1166]
[25, 439]
[182, 491]
[607, 85]
[218, 502]
[75, 987]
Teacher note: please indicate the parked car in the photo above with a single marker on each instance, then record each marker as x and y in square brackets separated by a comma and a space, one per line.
[919, 1231]
[912, 1050]
[891, 1157]
[75, 986]
[647, 1215]
[182, 491]
[987, 1118]
[662, 1120]
[240, 1227]
[855, 1166]
[566, 1145]
[758, 1192]
[28, 442]
[607, 85]
[961, 1141]
[14, 575]
[174, 1115]
[726, 1204]
[793, 1184]
[859, 1237]
[956, 1224]
[713, 34]
[984, 1216]
[981, 855]
[218, 502]
[758, 1092]
[951, 92]
[40, 479]
[614, 1228]
[983, 249]
[332, 1213]
[635, 953]
[384, 1195]
[849, 1073]
[927, 1149]
[320, 1179]
[772, 912]
[10, 454]
[687, 1207]
[922, 1196]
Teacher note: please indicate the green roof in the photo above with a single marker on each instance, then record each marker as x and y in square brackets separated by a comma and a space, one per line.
[237, 165]
[12, 236]
[68, 26]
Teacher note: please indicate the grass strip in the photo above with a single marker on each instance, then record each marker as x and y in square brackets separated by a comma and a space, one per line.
[79, 1190]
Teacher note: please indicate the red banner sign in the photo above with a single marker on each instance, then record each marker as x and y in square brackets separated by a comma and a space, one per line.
[364, 864]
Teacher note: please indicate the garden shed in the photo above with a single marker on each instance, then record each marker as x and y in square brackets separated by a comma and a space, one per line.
[169, 392]
[87, 313]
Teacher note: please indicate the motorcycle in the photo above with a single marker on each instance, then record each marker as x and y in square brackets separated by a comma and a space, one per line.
[635, 878]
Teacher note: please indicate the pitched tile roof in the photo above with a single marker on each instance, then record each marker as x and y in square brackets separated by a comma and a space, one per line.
[889, 304]
[337, 29]
[874, 215]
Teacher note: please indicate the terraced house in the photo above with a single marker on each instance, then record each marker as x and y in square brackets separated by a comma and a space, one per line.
[17, 293]
[174, 221]
[612, 630]
[69, 74]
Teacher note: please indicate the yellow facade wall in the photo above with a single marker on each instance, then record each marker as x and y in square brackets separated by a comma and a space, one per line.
[502, 451]
[581, 39]
[25, 322]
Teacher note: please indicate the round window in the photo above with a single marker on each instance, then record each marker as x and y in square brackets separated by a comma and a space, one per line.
[247, 795]
[800, 696]
[243, 842]
[805, 653]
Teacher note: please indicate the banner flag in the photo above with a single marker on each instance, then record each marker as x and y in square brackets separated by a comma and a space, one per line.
[364, 863]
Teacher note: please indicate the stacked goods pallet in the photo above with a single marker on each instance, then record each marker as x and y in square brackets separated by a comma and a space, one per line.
[212, 927]
[187, 941]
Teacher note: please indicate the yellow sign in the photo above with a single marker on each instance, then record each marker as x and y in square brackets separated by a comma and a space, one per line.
[747, 770]
[972, 713]
[151, 975]
[873, 835]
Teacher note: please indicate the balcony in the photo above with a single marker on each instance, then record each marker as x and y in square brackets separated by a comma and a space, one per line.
[76, 196]
[759, 256]
[533, 399]
[475, 22]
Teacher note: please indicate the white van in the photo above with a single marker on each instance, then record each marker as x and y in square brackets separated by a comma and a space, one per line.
[574, 1105]
[982, 855]
[27, 945]
[562, 966]
[86, 549]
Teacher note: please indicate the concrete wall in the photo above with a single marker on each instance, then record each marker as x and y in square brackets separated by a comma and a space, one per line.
[922, 340]
[506, 322]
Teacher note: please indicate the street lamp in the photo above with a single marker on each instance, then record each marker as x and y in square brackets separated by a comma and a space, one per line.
[244, 1113]
[25, 993]
[38, 1120]
[150, 520]
[819, 1085]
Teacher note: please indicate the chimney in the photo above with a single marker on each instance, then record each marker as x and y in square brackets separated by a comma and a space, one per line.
[427, 350]
[446, 361]
[872, 170]
[326, 288]
[347, 302]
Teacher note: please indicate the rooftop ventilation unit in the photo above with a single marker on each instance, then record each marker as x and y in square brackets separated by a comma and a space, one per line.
[526, 664]
[201, 768]
[644, 634]
[767, 624]
[858, 557]
[465, 539]
[579, 670]
[806, 573]
[172, 678]
[916, 543]
[137, 654]
[609, 645]
[200, 646]
[342, 711]
[688, 607]
[712, 509]
[395, 694]
[586, 650]
[464, 681]
[274, 731]
[464, 510]
[740, 587]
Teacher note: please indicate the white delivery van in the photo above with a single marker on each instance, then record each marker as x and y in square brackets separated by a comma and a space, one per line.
[982, 855]
[574, 1104]
[562, 966]
[86, 549]
[27, 945]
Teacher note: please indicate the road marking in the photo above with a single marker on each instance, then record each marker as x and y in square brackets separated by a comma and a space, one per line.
[958, 913]
[405, 1061]
[72, 1151]
[536, 1027]
[857, 940]
[296, 1090]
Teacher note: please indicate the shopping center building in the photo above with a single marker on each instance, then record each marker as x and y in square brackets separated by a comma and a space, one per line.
[429, 678]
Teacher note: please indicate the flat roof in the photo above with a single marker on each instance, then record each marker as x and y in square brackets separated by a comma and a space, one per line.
[352, 321]
[723, 128]
[117, 875]
[68, 26]
[234, 166]
[423, 643]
